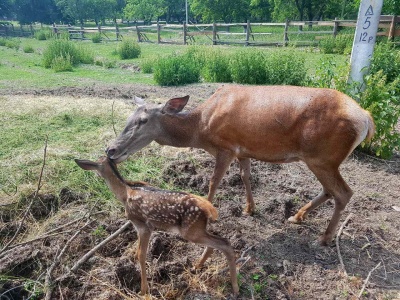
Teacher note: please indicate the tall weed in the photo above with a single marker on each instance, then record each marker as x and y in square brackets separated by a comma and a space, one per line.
[129, 49]
[64, 48]
[286, 68]
[248, 67]
[216, 67]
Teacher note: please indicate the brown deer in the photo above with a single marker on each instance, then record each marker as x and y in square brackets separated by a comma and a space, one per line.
[276, 124]
[149, 208]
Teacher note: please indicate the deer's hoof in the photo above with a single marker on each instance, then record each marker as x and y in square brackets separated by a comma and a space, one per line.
[294, 220]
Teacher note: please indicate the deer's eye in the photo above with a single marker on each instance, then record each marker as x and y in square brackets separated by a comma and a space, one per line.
[142, 121]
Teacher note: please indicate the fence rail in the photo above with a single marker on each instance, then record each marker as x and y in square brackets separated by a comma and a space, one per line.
[249, 34]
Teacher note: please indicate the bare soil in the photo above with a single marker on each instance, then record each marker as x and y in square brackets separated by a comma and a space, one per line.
[280, 260]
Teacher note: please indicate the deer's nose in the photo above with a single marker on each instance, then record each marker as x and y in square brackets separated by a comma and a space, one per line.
[110, 151]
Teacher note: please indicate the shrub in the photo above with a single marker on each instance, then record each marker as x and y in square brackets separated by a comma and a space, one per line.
[41, 35]
[12, 44]
[216, 67]
[248, 67]
[147, 65]
[96, 38]
[176, 69]
[129, 49]
[386, 58]
[64, 48]
[327, 45]
[3, 41]
[108, 64]
[341, 44]
[286, 67]
[330, 75]
[382, 100]
[28, 49]
[61, 63]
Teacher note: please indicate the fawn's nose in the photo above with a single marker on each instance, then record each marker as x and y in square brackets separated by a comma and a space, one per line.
[110, 151]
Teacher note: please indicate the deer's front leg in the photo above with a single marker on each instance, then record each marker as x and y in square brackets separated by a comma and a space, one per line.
[222, 162]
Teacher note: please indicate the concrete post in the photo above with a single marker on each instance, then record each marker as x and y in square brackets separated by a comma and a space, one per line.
[364, 39]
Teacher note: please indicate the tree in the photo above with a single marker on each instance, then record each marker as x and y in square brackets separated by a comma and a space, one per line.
[6, 8]
[261, 9]
[74, 9]
[43, 11]
[226, 10]
[145, 9]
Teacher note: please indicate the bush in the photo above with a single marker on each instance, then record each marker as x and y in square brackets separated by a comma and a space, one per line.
[61, 63]
[64, 48]
[108, 64]
[42, 35]
[330, 75]
[12, 44]
[3, 41]
[327, 45]
[382, 100]
[147, 65]
[248, 67]
[386, 58]
[341, 44]
[129, 49]
[216, 67]
[286, 67]
[176, 69]
[28, 49]
[96, 38]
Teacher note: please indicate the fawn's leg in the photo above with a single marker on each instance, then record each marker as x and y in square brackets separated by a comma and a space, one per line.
[206, 254]
[144, 237]
[212, 241]
[245, 174]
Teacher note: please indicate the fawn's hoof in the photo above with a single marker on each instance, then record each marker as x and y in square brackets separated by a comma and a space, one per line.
[294, 220]
[325, 240]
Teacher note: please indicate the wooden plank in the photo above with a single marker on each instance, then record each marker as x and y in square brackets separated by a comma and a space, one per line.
[194, 33]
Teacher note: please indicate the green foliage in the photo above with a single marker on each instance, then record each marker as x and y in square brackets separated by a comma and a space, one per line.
[96, 38]
[12, 44]
[61, 63]
[147, 65]
[216, 67]
[129, 49]
[62, 50]
[3, 41]
[340, 44]
[382, 100]
[287, 67]
[28, 49]
[330, 75]
[43, 34]
[176, 69]
[248, 67]
[106, 63]
[386, 58]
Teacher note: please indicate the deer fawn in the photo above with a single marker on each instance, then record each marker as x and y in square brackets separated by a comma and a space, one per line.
[149, 208]
[277, 124]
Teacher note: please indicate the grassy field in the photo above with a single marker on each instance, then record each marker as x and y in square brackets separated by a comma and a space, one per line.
[25, 70]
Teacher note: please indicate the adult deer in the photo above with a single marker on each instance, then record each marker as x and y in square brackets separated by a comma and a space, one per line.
[150, 208]
[277, 124]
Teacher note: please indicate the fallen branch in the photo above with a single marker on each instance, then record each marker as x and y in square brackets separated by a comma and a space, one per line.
[48, 284]
[367, 279]
[30, 204]
[89, 254]
[337, 242]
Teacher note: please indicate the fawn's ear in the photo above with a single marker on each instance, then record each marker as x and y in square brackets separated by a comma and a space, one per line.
[87, 164]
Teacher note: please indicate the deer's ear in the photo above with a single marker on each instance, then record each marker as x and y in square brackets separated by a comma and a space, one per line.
[87, 164]
[138, 101]
[175, 105]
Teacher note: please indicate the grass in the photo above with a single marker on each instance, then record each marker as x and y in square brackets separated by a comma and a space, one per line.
[26, 70]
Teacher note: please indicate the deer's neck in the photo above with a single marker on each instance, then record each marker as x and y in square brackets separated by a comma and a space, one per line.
[181, 130]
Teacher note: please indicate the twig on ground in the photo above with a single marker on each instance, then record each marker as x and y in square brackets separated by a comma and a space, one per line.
[367, 279]
[337, 242]
[89, 254]
[48, 284]
[30, 203]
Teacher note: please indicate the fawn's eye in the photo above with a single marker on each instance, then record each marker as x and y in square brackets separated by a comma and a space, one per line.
[142, 121]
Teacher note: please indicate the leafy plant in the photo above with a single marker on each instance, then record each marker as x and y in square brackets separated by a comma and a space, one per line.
[382, 100]
[216, 67]
[43, 34]
[147, 65]
[63, 49]
[129, 49]
[176, 69]
[96, 38]
[61, 63]
[285, 68]
[28, 49]
[248, 67]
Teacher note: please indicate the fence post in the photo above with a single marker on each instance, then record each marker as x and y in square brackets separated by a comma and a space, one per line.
[138, 34]
[117, 31]
[335, 27]
[247, 32]
[184, 33]
[391, 29]
[31, 27]
[285, 33]
[214, 34]
[82, 35]
[158, 32]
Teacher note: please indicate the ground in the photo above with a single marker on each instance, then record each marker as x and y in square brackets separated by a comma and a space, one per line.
[279, 260]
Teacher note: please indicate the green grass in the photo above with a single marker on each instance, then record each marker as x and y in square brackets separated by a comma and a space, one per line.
[19, 69]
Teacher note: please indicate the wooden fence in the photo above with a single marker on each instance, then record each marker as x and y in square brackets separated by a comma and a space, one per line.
[249, 34]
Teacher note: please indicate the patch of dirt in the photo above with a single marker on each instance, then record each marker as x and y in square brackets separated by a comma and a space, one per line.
[284, 260]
